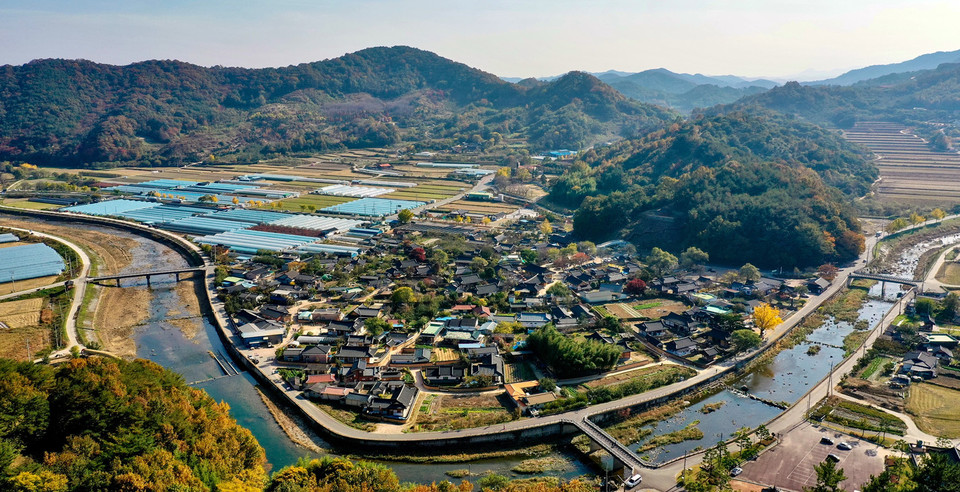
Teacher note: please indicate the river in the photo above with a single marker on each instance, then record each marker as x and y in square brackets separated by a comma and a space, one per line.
[159, 340]
[785, 378]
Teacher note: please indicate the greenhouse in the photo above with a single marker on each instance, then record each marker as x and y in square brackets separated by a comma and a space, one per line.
[29, 261]
[111, 207]
[164, 213]
[317, 222]
[373, 207]
[247, 241]
[203, 225]
[253, 216]
[355, 191]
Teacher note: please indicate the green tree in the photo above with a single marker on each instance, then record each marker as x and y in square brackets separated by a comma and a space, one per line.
[376, 326]
[745, 340]
[404, 216]
[547, 384]
[660, 261]
[897, 224]
[829, 477]
[950, 306]
[693, 257]
[403, 295]
[528, 256]
[749, 273]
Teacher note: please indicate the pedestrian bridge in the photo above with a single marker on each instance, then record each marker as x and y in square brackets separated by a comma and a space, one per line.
[624, 459]
[882, 278]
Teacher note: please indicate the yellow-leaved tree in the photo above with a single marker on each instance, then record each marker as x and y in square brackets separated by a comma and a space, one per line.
[766, 317]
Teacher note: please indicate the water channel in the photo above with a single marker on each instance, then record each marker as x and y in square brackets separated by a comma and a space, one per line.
[787, 377]
[159, 340]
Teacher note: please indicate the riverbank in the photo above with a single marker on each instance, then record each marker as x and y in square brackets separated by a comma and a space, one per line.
[294, 431]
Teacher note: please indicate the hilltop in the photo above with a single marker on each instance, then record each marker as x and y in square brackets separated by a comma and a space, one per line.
[167, 112]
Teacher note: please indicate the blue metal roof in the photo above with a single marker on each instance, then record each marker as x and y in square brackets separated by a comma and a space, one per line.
[29, 261]
[111, 207]
[373, 207]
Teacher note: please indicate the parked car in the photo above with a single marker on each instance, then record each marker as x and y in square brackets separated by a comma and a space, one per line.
[834, 458]
[736, 471]
[826, 440]
[844, 446]
[633, 481]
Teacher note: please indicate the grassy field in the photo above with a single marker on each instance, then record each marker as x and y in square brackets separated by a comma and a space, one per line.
[949, 273]
[32, 283]
[28, 205]
[318, 201]
[935, 409]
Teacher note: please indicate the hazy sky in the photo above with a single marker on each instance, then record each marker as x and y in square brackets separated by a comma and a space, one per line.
[509, 38]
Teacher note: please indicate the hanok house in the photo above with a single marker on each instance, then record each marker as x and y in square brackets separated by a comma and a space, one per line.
[276, 313]
[681, 347]
[917, 363]
[391, 400]
[444, 375]
[349, 355]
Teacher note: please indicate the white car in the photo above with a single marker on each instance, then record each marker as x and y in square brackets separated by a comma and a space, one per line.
[736, 471]
[633, 481]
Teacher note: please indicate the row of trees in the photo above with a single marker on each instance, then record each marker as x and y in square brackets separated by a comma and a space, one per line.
[569, 357]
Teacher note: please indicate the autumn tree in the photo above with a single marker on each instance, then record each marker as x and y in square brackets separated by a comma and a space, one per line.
[827, 271]
[404, 216]
[635, 287]
[917, 219]
[896, 225]
[546, 228]
[766, 317]
[938, 214]
[403, 295]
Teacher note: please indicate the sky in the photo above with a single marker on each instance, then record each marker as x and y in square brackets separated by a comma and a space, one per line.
[793, 39]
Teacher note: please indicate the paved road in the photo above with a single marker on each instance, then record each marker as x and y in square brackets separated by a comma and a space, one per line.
[80, 288]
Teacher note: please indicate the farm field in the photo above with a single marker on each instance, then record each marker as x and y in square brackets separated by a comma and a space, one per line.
[20, 314]
[934, 409]
[909, 171]
[11, 287]
[518, 372]
[318, 201]
[658, 308]
[451, 412]
[622, 311]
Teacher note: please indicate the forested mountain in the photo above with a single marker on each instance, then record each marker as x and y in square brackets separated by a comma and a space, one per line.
[745, 185]
[930, 95]
[80, 112]
[927, 61]
[102, 424]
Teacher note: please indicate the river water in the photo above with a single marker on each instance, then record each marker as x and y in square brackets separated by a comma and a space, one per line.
[785, 378]
[159, 340]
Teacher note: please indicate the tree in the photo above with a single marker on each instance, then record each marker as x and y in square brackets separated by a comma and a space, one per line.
[828, 271]
[729, 322]
[478, 264]
[938, 214]
[403, 295]
[376, 326]
[660, 261]
[404, 216]
[547, 384]
[749, 273]
[917, 219]
[418, 254]
[528, 256]
[546, 228]
[693, 257]
[587, 247]
[925, 306]
[828, 477]
[439, 259]
[745, 340]
[235, 201]
[766, 317]
[559, 289]
[949, 306]
[897, 224]
[635, 287]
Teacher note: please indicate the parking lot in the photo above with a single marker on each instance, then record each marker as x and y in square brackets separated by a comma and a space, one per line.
[789, 465]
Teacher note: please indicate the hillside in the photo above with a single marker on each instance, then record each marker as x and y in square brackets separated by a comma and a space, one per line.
[101, 424]
[166, 112]
[923, 62]
[747, 185]
[929, 95]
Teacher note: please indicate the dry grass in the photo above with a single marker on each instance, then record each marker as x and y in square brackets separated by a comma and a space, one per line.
[935, 409]
[25, 204]
[20, 285]
[21, 314]
[453, 412]
[660, 308]
[119, 311]
[949, 273]
[443, 354]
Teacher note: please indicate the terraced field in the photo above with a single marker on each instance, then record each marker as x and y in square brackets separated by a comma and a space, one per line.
[909, 171]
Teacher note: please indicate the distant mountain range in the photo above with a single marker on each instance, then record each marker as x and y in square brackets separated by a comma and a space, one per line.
[681, 91]
[928, 61]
